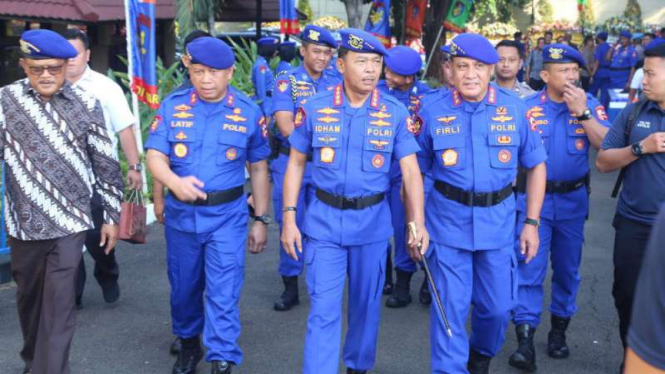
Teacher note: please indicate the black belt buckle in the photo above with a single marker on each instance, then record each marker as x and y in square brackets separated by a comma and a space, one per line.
[558, 186]
[200, 202]
[482, 199]
[348, 202]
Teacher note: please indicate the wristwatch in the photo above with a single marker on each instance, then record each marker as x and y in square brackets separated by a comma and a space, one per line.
[264, 218]
[533, 222]
[586, 115]
[136, 167]
[637, 149]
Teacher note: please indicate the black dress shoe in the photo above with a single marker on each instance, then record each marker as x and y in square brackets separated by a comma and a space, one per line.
[289, 297]
[189, 356]
[111, 292]
[388, 288]
[401, 296]
[221, 367]
[425, 296]
[176, 346]
[556, 339]
[478, 363]
[351, 371]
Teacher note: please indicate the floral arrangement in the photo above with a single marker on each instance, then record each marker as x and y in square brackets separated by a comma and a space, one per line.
[615, 25]
[497, 30]
[554, 26]
[331, 23]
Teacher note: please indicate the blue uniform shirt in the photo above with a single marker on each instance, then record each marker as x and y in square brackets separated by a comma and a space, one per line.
[475, 147]
[294, 87]
[210, 141]
[567, 147]
[263, 80]
[624, 58]
[353, 149]
[644, 184]
[603, 64]
[283, 67]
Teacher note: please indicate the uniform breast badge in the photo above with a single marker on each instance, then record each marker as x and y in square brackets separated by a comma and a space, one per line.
[450, 157]
[327, 155]
[180, 150]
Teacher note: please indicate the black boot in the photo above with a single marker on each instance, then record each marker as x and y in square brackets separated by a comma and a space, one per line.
[478, 363]
[221, 367]
[351, 371]
[289, 297]
[424, 296]
[176, 346]
[556, 339]
[401, 296]
[525, 356]
[189, 356]
[388, 286]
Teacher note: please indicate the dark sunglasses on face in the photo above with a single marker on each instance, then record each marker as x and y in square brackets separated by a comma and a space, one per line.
[39, 70]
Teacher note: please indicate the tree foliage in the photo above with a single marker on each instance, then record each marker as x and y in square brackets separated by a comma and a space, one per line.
[586, 18]
[496, 10]
[545, 11]
[633, 12]
[189, 12]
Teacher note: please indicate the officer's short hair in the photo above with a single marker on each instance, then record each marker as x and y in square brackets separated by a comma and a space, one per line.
[341, 52]
[193, 36]
[658, 51]
[517, 34]
[549, 33]
[76, 34]
[287, 54]
[652, 35]
[511, 44]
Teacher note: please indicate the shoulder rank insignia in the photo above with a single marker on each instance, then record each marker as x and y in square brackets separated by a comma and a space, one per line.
[379, 122]
[380, 115]
[328, 119]
[236, 118]
[327, 111]
[182, 107]
[447, 119]
[181, 135]
[154, 125]
[183, 115]
[379, 144]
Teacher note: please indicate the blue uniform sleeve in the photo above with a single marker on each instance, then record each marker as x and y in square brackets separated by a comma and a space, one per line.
[647, 328]
[532, 151]
[634, 58]
[616, 137]
[257, 144]
[405, 143]
[598, 111]
[159, 132]
[260, 84]
[282, 99]
[301, 137]
[599, 55]
[424, 138]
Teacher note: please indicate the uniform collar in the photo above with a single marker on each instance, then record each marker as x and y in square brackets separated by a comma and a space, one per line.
[374, 98]
[651, 105]
[490, 97]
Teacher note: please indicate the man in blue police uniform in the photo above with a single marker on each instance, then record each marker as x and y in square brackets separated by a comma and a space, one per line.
[286, 52]
[355, 133]
[263, 78]
[472, 139]
[402, 65]
[200, 141]
[624, 58]
[570, 122]
[600, 72]
[292, 89]
[636, 142]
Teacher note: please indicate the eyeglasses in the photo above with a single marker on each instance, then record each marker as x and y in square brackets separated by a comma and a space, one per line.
[39, 70]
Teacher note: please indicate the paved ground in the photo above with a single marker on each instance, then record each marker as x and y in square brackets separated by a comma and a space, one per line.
[133, 336]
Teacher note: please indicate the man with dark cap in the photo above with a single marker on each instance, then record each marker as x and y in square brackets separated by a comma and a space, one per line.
[263, 78]
[354, 133]
[624, 58]
[287, 52]
[402, 65]
[570, 122]
[292, 89]
[636, 142]
[600, 72]
[472, 139]
[57, 151]
[200, 141]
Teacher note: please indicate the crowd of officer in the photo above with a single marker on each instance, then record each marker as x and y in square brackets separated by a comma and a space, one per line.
[354, 160]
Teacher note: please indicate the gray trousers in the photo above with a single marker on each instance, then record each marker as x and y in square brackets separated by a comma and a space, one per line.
[45, 272]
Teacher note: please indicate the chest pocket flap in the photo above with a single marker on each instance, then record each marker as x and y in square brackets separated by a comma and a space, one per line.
[232, 147]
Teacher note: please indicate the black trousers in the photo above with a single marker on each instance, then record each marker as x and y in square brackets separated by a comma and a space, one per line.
[44, 272]
[106, 267]
[630, 242]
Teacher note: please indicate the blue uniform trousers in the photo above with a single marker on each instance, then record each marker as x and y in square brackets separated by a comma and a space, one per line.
[212, 262]
[287, 267]
[561, 241]
[602, 84]
[328, 265]
[488, 280]
[402, 260]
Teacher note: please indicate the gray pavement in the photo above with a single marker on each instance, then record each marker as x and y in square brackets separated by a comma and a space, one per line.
[133, 335]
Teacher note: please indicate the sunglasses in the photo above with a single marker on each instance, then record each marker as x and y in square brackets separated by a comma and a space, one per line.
[39, 70]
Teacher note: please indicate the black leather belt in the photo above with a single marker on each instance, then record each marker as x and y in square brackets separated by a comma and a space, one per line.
[470, 198]
[287, 150]
[217, 197]
[620, 69]
[344, 203]
[561, 186]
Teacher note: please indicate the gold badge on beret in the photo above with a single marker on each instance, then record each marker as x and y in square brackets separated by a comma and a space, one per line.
[314, 35]
[556, 53]
[356, 42]
[27, 47]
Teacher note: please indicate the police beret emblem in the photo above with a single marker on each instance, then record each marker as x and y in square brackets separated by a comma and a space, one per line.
[356, 42]
[314, 35]
[26, 47]
[556, 53]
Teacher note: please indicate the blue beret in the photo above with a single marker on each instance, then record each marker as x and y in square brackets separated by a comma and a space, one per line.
[473, 46]
[403, 60]
[211, 52]
[318, 35]
[361, 41]
[654, 43]
[268, 40]
[638, 36]
[562, 53]
[626, 34]
[603, 35]
[45, 44]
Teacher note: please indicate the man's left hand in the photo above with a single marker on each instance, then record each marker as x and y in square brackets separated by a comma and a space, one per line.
[417, 247]
[258, 237]
[134, 180]
[575, 99]
[529, 242]
[109, 237]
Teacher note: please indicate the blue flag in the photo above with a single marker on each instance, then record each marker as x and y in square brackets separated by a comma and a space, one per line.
[288, 17]
[378, 21]
[141, 40]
